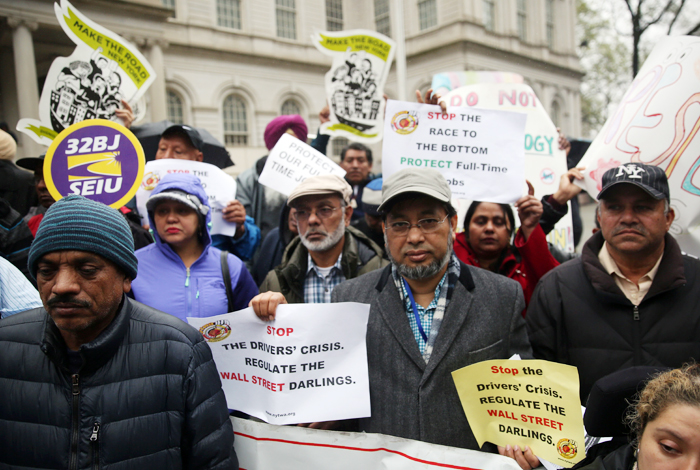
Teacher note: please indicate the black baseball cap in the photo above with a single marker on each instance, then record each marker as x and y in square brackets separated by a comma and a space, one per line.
[190, 132]
[31, 163]
[651, 179]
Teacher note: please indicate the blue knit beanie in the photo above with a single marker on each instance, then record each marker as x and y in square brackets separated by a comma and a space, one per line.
[77, 223]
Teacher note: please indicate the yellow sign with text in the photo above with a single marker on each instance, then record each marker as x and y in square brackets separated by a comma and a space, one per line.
[526, 403]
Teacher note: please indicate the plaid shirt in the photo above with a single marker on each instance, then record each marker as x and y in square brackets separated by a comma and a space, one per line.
[317, 289]
[430, 317]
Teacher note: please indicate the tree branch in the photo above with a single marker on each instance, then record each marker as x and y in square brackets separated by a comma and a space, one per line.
[658, 18]
[695, 29]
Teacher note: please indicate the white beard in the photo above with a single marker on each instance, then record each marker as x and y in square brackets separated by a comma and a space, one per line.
[328, 242]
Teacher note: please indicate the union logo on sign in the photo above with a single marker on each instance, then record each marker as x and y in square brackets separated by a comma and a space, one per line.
[547, 176]
[404, 122]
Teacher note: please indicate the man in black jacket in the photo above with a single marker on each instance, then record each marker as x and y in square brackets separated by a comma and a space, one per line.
[94, 378]
[630, 299]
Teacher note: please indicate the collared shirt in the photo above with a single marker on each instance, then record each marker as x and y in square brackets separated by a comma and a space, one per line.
[16, 292]
[431, 316]
[634, 293]
[319, 282]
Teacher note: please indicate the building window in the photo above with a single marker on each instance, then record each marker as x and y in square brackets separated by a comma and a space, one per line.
[522, 20]
[290, 107]
[175, 109]
[382, 20]
[286, 19]
[556, 113]
[334, 15]
[550, 23]
[338, 144]
[169, 4]
[489, 15]
[427, 13]
[228, 13]
[235, 122]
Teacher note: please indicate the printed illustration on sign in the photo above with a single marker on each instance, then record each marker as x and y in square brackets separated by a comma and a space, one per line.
[98, 159]
[567, 448]
[404, 122]
[355, 82]
[89, 84]
[216, 331]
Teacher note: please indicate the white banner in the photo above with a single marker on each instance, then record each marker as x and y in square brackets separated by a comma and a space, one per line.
[355, 82]
[291, 161]
[544, 162]
[103, 69]
[657, 123]
[261, 446]
[479, 151]
[219, 186]
[308, 365]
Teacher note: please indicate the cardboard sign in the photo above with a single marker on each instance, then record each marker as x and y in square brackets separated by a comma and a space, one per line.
[479, 151]
[308, 365]
[291, 161]
[526, 403]
[658, 123]
[261, 446]
[355, 82]
[103, 69]
[219, 186]
[98, 159]
[544, 162]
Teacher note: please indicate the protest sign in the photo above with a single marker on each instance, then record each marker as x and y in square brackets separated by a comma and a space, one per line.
[545, 163]
[478, 151]
[527, 403]
[219, 186]
[657, 123]
[261, 446]
[291, 161]
[308, 365]
[355, 82]
[445, 82]
[103, 69]
[98, 159]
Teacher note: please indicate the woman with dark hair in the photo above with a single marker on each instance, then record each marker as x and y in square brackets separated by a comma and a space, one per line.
[665, 421]
[486, 241]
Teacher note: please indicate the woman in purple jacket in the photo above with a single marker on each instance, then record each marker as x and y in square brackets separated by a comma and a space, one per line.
[182, 273]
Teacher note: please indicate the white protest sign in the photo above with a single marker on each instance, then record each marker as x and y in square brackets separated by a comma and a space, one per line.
[103, 69]
[219, 186]
[291, 161]
[478, 151]
[261, 446]
[657, 123]
[355, 82]
[308, 365]
[545, 163]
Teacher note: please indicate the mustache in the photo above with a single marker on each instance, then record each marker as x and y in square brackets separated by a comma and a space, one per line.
[315, 230]
[636, 227]
[67, 299]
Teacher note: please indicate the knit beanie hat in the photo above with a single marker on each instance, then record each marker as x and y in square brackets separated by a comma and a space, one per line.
[8, 147]
[280, 125]
[77, 223]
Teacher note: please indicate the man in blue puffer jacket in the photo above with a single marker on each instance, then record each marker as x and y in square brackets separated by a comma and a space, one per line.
[182, 275]
[95, 379]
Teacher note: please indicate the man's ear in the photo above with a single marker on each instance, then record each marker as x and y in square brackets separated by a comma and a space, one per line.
[126, 285]
[670, 217]
[453, 222]
[348, 214]
[200, 156]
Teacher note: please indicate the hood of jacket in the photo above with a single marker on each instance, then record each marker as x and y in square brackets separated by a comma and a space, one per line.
[191, 185]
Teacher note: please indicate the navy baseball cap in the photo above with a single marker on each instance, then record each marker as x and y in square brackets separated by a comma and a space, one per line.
[651, 179]
[191, 133]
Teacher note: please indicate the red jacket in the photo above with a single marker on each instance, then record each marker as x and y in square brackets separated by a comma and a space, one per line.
[533, 261]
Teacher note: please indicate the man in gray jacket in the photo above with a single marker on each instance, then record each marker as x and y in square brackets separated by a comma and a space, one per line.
[96, 379]
[430, 315]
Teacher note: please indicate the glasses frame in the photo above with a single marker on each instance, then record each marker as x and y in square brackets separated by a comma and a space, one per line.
[315, 211]
[390, 227]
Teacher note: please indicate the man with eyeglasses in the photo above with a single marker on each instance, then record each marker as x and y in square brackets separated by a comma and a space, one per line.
[430, 314]
[327, 251]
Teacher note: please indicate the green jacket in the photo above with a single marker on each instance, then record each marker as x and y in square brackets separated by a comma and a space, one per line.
[360, 255]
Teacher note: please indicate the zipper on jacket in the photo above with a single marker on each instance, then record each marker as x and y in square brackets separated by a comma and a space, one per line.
[95, 446]
[187, 279]
[635, 313]
[75, 435]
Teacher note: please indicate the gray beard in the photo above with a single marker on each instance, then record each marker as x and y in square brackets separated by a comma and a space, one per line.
[421, 272]
[327, 243]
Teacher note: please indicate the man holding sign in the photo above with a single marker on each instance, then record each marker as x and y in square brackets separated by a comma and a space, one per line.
[430, 315]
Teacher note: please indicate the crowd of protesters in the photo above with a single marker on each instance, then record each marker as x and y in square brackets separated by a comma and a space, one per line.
[89, 300]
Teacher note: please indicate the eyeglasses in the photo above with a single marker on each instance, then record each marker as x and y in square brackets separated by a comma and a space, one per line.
[325, 212]
[425, 226]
